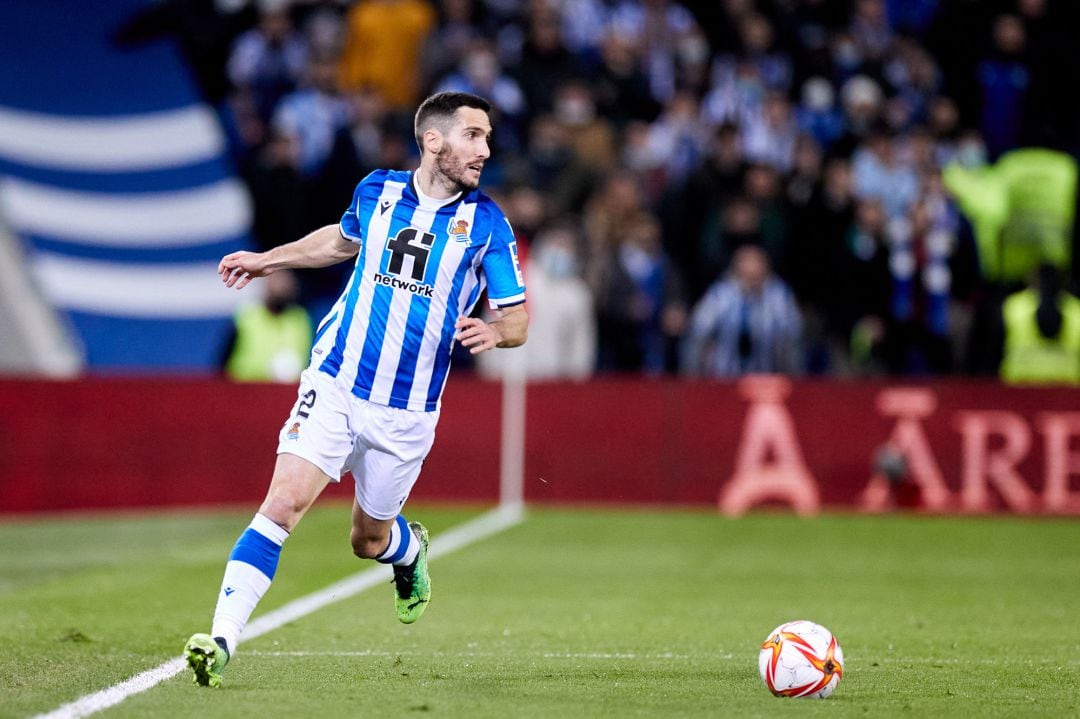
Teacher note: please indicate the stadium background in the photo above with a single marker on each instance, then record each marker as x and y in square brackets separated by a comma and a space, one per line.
[638, 146]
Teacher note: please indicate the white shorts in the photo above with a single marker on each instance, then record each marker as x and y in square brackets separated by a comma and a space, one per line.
[384, 447]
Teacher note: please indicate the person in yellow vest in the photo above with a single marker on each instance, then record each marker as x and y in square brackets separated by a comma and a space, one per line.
[272, 339]
[1021, 209]
[1042, 333]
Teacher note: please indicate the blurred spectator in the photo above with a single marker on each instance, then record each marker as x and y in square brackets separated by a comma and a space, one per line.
[383, 46]
[943, 121]
[920, 250]
[737, 223]
[747, 322]
[456, 30]
[816, 252]
[639, 301]
[871, 33]
[862, 100]
[554, 168]
[759, 50]
[271, 340]
[915, 81]
[481, 74]
[323, 25]
[591, 136]
[736, 94]
[621, 88]
[817, 115]
[1022, 209]
[584, 23]
[545, 61]
[1042, 333]
[1004, 79]
[912, 17]
[882, 175]
[562, 327]
[866, 288]
[609, 212]
[769, 134]
[525, 211]
[277, 192]
[268, 61]
[805, 174]
[676, 140]
[699, 206]
[657, 28]
[368, 129]
[763, 188]
[314, 115]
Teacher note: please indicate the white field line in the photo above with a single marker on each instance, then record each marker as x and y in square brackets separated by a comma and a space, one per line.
[721, 656]
[476, 655]
[482, 527]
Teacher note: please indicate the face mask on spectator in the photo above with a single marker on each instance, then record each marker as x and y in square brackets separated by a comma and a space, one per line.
[574, 111]
[693, 50]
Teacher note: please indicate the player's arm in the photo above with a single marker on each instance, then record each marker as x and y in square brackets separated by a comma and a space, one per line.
[509, 329]
[321, 248]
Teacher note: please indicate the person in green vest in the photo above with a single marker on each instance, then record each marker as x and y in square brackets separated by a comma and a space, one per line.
[1021, 209]
[1042, 333]
[272, 339]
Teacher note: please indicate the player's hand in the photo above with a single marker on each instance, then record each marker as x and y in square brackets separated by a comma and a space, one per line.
[476, 334]
[239, 268]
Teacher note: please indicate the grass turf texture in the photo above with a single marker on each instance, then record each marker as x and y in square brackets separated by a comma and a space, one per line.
[571, 614]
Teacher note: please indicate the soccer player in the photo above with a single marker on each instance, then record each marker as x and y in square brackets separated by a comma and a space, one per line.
[427, 243]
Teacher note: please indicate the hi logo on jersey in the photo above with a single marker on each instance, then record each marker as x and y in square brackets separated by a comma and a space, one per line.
[294, 431]
[458, 230]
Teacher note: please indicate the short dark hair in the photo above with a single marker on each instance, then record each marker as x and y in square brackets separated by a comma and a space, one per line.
[440, 109]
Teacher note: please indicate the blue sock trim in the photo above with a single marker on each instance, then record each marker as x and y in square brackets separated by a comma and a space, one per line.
[403, 545]
[258, 551]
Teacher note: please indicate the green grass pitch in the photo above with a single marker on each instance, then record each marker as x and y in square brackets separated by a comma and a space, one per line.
[574, 613]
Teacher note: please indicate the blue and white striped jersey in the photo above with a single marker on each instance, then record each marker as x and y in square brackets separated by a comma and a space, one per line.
[422, 264]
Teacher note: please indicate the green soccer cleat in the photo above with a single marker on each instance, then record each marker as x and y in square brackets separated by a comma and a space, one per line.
[207, 657]
[412, 584]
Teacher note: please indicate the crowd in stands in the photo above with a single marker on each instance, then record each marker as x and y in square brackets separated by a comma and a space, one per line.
[711, 188]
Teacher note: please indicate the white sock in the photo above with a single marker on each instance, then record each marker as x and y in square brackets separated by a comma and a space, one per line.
[248, 574]
[403, 547]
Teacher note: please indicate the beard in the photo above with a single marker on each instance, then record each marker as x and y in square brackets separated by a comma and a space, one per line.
[454, 169]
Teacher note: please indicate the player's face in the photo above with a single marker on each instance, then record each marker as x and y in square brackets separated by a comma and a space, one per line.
[465, 149]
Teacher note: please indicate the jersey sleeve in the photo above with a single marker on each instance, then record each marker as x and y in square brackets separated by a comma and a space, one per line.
[350, 226]
[502, 268]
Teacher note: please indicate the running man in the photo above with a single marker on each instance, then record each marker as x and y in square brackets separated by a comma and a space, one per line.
[427, 243]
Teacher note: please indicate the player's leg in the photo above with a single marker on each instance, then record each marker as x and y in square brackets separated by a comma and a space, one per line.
[295, 486]
[396, 443]
[313, 446]
[402, 544]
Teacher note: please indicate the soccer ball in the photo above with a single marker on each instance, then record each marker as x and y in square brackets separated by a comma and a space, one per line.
[801, 659]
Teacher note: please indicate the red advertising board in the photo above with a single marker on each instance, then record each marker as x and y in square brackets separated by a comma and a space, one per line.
[967, 446]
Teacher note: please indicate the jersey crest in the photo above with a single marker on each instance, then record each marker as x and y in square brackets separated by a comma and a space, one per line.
[458, 230]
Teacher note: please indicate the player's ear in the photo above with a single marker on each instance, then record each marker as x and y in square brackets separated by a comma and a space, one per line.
[433, 140]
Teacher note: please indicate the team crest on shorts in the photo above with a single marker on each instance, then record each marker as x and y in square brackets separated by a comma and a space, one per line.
[294, 431]
[459, 230]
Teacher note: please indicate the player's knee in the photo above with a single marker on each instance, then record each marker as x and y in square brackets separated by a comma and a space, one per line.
[284, 508]
[368, 546]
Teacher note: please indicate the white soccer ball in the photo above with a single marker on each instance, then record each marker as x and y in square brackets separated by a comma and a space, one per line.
[801, 659]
